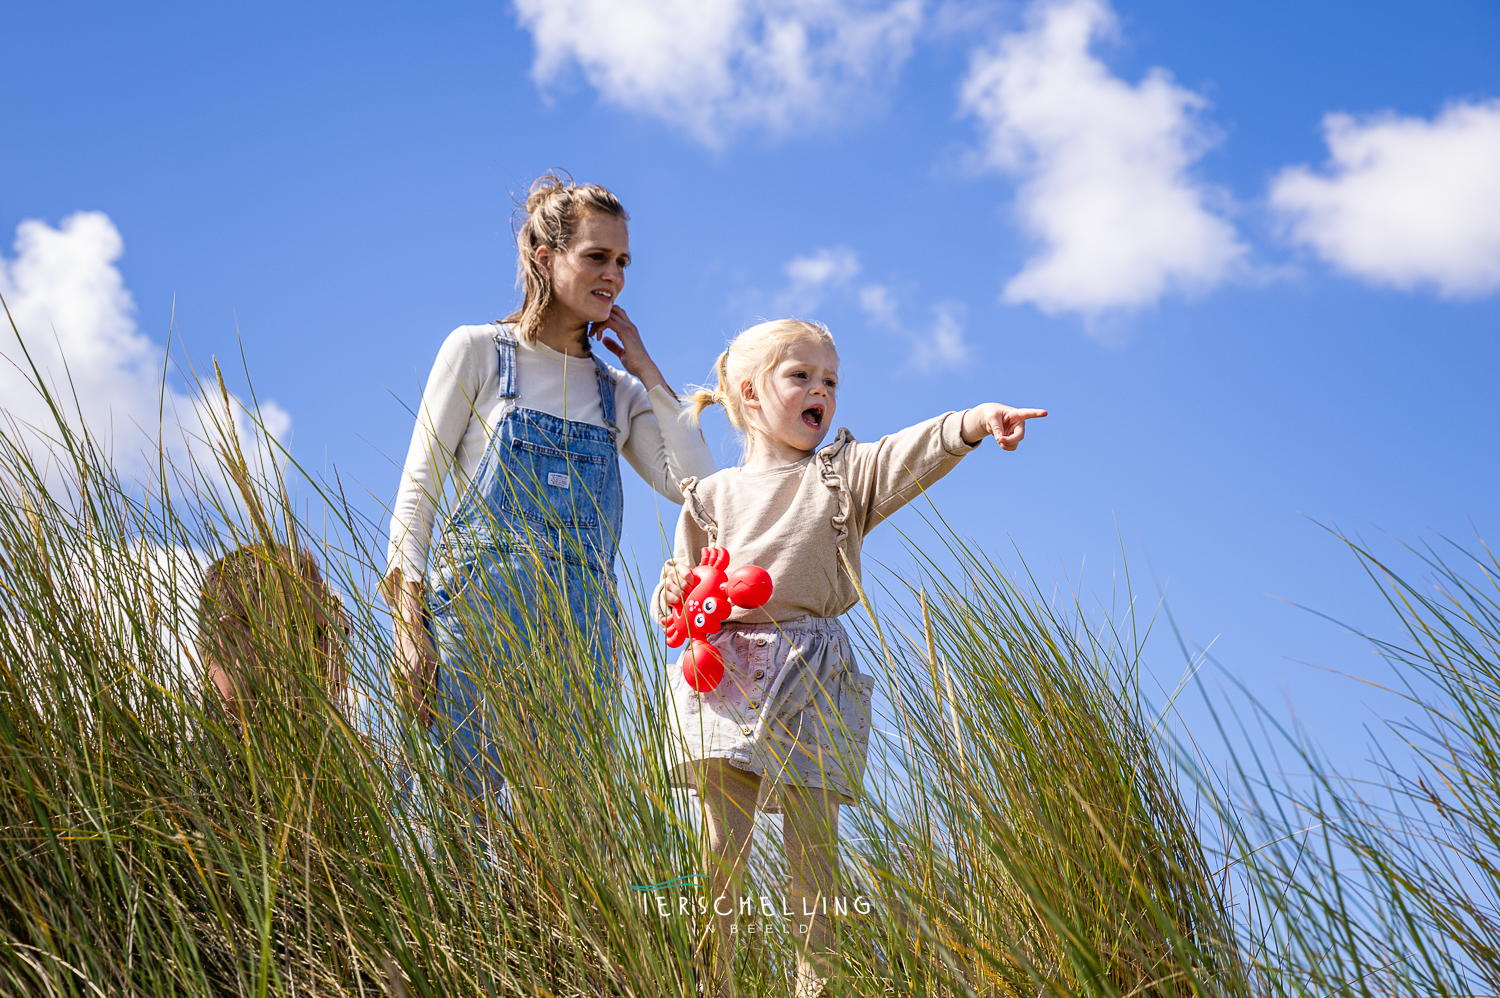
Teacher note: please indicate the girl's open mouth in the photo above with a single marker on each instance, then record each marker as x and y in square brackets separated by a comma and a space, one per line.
[813, 416]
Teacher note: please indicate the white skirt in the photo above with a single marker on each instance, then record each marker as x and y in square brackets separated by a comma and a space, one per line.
[792, 708]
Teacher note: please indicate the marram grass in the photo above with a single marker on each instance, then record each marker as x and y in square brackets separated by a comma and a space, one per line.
[1025, 832]
[1388, 884]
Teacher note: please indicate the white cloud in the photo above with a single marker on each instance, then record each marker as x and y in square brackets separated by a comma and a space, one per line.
[1103, 167]
[940, 345]
[1404, 201]
[714, 67]
[829, 274]
[880, 306]
[811, 277]
[76, 321]
[943, 344]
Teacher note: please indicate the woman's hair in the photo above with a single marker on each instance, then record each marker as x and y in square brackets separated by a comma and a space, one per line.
[554, 207]
[751, 356]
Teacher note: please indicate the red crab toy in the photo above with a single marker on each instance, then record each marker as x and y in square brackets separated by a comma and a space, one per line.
[709, 593]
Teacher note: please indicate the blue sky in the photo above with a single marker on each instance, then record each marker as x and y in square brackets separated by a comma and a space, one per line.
[1126, 214]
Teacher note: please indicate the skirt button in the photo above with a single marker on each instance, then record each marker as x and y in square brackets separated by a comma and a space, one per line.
[754, 704]
[746, 728]
[758, 673]
[760, 642]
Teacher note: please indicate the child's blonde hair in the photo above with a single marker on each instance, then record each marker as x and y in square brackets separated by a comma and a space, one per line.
[751, 356]
[276, 599]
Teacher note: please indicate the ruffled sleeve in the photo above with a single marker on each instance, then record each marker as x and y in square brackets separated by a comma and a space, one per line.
[829, 471]
[883, 476]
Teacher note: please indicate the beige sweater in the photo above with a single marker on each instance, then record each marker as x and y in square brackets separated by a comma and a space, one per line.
[792, 520]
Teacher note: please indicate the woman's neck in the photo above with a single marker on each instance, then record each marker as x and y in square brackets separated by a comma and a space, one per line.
[563, 334]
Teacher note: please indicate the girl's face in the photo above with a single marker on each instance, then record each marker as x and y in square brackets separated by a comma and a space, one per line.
[588, 276]
[791, 415]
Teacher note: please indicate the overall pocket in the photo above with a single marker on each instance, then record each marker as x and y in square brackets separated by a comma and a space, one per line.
[554, 489]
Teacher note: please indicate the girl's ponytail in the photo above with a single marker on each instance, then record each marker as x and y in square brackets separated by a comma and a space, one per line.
[717, 395]
[751, 356]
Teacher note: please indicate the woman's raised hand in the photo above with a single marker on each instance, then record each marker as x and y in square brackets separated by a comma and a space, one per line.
[1005, 424]
[632, 352]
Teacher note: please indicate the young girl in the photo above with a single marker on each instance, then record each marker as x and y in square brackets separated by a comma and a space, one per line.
[788, 727]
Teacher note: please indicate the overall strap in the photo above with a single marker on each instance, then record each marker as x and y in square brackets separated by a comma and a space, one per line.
[606, 392]
[505, 346]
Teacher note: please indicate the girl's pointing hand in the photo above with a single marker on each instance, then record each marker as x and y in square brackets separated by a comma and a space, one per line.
[1005, 424]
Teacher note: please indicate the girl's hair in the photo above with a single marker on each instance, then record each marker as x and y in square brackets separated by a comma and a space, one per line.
[554, 207]
[751, 356]
[273, 592]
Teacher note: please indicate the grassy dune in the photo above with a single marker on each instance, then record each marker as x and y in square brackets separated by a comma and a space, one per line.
[1026, 830]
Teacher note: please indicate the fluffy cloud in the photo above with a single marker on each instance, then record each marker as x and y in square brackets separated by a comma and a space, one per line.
[1404, 201]
[1103, 166]
[811, 277]
[940, 344]
[943, 343]
[880, 306]
[830, 275]
[75, 319]
[713, 67]
[831, 272]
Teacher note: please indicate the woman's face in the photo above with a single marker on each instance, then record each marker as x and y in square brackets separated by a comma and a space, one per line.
[588, 276]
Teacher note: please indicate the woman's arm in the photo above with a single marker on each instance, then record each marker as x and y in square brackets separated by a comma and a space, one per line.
[443, 419]
[630, 348]
[416, 658]
[661, 447]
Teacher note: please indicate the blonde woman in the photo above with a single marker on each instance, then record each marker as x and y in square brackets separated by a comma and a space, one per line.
[787, 729]
[515, 457]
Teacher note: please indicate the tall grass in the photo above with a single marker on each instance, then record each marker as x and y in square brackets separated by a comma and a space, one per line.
[1388, 884]
[1026, 829]
[1036, 841]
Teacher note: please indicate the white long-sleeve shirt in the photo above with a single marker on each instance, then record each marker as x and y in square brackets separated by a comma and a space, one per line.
[461, 406]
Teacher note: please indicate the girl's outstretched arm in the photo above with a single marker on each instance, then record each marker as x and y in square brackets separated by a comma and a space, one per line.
[885, 475]
[1005, 424]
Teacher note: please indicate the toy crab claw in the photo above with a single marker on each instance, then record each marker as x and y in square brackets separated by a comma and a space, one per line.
[710, 593]
[702, 666]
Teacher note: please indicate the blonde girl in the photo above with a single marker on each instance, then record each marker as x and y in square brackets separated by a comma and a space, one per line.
[788, 727]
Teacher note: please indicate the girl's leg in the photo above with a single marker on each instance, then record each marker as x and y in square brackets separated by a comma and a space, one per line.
[810, 832]
[728, 796]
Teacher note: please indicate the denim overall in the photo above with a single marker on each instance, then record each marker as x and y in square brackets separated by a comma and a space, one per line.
[521, 576]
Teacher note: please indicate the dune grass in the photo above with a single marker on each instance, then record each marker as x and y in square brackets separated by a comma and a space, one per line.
[1386, 883]
[1026, 830]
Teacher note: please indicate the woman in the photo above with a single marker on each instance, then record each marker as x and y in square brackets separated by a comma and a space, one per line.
[526, 424]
